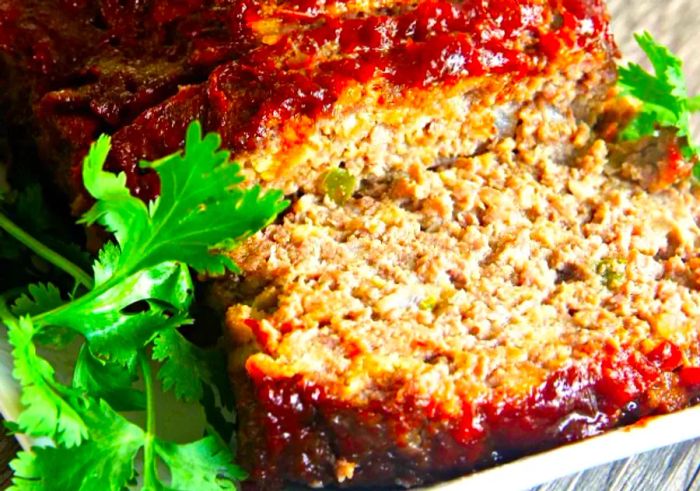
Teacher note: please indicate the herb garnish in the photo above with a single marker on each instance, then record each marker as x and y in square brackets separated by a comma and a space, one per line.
[128, 313]
[663, 94]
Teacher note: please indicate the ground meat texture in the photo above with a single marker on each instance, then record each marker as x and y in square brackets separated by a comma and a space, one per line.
[381, 87]
[450, 319]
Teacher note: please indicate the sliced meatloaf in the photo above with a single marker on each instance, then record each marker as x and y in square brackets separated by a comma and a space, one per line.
[375, 86]
[444, 320]
[72, 70]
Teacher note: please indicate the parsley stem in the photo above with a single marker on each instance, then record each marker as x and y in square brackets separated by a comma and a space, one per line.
[45, 252]
[150, 479]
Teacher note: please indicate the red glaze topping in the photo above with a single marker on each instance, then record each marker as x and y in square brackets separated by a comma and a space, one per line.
[571, 404]
[436, 42]
[667, 356]
[690, 377]
[93, 66]
[113, 59]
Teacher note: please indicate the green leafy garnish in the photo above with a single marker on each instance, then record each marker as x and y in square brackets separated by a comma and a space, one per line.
[663, 94]
[199, 465]
[37, 299]
[127, 315]
[107, 381]
[200, 205]
[183, 368]
[49, 407]
[105, 461]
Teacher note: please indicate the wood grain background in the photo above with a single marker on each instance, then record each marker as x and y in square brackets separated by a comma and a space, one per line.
[669, 469]
[8, 447]
[677, 24]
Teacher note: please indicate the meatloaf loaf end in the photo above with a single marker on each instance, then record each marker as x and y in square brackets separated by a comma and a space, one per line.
[76, 69]
[391, 86]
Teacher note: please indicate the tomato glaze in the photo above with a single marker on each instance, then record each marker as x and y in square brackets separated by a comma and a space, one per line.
[436, 42]
[573, 403]
[90, 67]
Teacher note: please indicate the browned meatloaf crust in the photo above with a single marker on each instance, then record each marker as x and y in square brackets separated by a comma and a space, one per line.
[72, 70]
[497, 284]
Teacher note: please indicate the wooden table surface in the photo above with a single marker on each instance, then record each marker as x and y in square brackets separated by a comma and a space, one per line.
[677, 468]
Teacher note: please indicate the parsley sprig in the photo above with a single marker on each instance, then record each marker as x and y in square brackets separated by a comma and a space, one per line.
[127, 315]
[663, 94]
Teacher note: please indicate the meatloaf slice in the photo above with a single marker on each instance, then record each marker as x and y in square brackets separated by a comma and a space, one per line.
[493, 287]
[101, 56]
[380, 87]
[446, 320]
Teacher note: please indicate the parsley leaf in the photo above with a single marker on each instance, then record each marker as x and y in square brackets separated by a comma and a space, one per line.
[107, 461]
[663, 94]
[39, 298]
[182, 368]
[193, 214]
[49, 406]
[108, 381]
[200, 206]
[104, 462]
[139, 295]
[104, 317]
[204, 464]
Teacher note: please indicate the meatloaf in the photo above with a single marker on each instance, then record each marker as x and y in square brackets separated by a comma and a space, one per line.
[377, 87]
[494, 277]
[445, 320]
